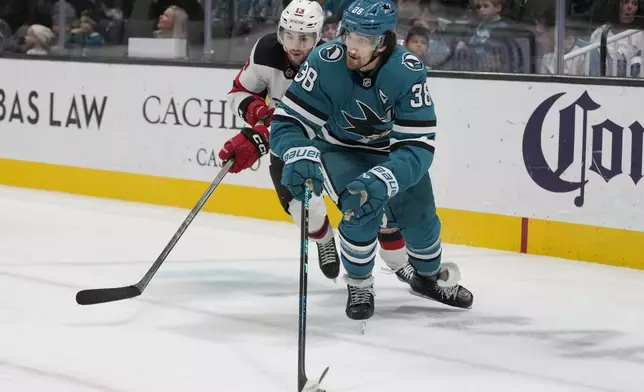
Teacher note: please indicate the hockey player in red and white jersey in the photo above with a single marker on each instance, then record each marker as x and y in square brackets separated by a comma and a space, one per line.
[273, 63]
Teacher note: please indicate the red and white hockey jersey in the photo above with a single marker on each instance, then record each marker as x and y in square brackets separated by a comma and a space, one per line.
[267, 73]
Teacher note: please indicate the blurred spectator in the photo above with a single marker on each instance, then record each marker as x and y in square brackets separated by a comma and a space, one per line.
[85, 34]
[490, 34]
[623, 15]
[330, 28]
[407, 10]
[577, 66]
[489, 13]
[38, 40]
[434, 22]
[192, 8]
[417, 42]
[55, 28]
[172, 23]
[544, 33]
[68, 10]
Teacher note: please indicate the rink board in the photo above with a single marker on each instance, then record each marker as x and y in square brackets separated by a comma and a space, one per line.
[535, 236]
[555, 172]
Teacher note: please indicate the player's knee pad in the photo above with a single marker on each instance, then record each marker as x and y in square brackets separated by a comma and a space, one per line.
[275, 169]
[424, 247]
[320, 229]
[357, 251]
[392, 248]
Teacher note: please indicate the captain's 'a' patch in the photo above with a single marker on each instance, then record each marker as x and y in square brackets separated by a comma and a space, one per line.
[412, 62]
[332, 53]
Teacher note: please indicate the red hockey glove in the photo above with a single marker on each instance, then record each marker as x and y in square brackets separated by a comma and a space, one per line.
[258, 111]
[246, 147]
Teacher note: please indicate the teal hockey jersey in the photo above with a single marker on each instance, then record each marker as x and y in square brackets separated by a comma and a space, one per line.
[389, 111]
[336, 7]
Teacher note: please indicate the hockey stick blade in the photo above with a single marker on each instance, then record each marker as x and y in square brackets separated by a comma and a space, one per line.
[97, 296]
[315, 386]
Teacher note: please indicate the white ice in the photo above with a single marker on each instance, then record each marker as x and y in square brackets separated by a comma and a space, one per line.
[221, 314]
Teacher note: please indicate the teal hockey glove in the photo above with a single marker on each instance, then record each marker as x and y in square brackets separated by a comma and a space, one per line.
[301, 164]
[368, 195]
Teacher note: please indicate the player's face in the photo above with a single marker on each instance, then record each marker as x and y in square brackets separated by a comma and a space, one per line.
[297, 45]
[360, 49]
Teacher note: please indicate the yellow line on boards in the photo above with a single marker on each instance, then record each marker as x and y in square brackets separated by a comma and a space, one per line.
[559, 239]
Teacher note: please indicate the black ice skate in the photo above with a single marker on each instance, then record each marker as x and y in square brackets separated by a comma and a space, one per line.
[442, 287]
[360, 298]
[329, 259]
[406, 273]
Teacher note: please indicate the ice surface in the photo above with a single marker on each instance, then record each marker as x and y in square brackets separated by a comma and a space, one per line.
[221, 314]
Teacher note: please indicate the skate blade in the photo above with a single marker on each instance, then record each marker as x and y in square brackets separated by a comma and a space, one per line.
[412, 292]
[435, 300]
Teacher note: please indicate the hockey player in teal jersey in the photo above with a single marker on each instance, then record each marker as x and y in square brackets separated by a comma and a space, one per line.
[359, 122]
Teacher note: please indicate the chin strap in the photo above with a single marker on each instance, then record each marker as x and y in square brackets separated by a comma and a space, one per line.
[373, 58]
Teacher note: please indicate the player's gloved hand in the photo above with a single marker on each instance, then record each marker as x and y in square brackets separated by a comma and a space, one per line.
[368, 195]
[246, 147]
[257, 110]
[301, 164]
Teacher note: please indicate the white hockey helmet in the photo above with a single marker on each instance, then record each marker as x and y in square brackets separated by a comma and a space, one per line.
[303, 17]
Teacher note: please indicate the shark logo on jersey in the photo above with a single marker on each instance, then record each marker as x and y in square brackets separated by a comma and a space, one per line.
[412, 62]
[366, 126]
[332, 54]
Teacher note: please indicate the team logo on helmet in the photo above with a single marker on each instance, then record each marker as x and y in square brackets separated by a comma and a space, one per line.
[332, 53]
[412, 62]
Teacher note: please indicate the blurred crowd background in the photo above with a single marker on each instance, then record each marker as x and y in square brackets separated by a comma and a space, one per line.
[510, 36]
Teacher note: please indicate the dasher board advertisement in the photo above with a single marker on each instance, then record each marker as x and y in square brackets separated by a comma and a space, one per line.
[537, 167]
[152, 120]
[563, 152]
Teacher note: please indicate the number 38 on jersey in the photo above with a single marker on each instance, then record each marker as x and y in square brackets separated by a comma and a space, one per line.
[420, 95]
[306, 77]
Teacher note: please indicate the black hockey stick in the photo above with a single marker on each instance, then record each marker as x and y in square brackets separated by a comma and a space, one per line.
[96, 296]
[302, 380]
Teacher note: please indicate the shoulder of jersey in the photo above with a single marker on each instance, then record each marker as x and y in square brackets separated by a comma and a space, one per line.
[330, 52]
[403, 60]
[269, 52]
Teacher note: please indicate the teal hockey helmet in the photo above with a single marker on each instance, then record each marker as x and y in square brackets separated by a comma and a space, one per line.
[370, 17]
